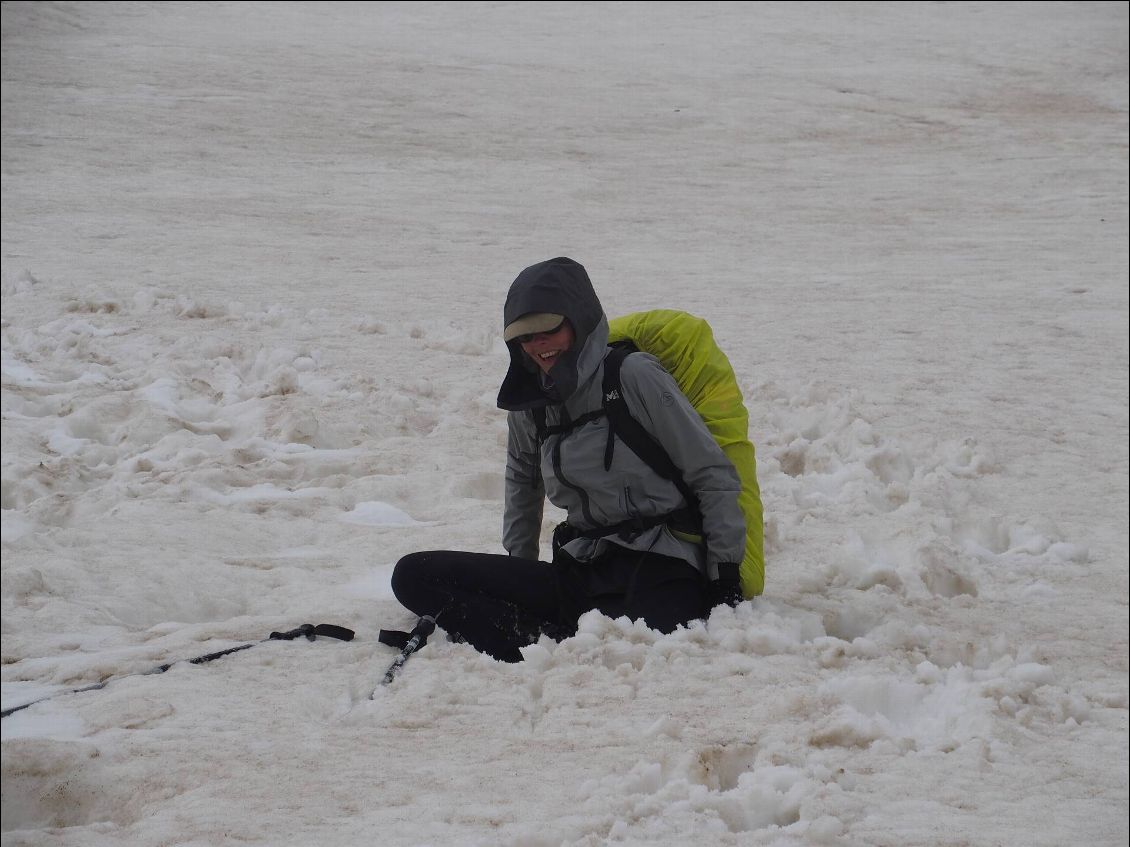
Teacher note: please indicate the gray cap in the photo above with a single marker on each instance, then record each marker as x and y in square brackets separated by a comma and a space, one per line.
[531, 323]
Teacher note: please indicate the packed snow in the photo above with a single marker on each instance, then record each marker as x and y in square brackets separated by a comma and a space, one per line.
[254, 260]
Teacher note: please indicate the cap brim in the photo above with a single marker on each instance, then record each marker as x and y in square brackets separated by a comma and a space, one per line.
[531, 323]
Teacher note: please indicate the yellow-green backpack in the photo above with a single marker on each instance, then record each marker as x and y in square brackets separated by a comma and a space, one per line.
[685, 346]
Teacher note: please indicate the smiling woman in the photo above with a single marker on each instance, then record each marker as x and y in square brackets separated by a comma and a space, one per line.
[618, 551]
[545, 348]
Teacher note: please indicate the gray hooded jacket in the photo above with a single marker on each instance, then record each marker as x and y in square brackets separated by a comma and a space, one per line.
[569, 467]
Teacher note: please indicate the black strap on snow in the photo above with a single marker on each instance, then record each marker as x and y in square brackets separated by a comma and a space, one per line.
[311, 631]
[324, 630]
[394, 638]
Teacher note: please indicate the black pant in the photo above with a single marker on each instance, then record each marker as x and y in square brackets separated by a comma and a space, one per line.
[502, 603]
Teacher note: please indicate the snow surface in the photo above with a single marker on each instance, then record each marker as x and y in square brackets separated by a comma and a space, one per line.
[254, 258]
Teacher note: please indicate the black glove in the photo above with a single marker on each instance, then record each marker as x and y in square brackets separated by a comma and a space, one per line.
[727, 589]
[563, 533]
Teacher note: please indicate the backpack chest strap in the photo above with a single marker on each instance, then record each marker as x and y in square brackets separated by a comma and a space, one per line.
[564, 427]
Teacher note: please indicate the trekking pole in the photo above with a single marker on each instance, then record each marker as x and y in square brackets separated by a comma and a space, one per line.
[416, 639]
[311, 631]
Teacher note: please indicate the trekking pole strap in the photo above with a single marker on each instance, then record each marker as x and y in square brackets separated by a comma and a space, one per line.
[397, 638]
[311, 631]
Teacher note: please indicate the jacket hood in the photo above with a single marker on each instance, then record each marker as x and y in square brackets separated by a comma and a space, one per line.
[560, 286]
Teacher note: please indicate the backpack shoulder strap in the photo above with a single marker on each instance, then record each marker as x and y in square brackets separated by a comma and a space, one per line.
[629, 430]
[612, 399]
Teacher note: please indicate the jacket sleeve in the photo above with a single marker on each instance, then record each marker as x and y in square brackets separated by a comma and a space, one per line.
[655, 400]
[524, 491]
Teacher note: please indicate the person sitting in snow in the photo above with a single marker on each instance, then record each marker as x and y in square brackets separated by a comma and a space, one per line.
[632, 544]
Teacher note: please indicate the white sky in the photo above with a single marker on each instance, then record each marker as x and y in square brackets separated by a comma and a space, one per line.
[254, 259]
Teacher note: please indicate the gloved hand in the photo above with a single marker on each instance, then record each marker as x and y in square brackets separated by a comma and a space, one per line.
[727, 589]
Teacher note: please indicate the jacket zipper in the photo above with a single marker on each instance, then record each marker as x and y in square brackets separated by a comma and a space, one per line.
[555, 452]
